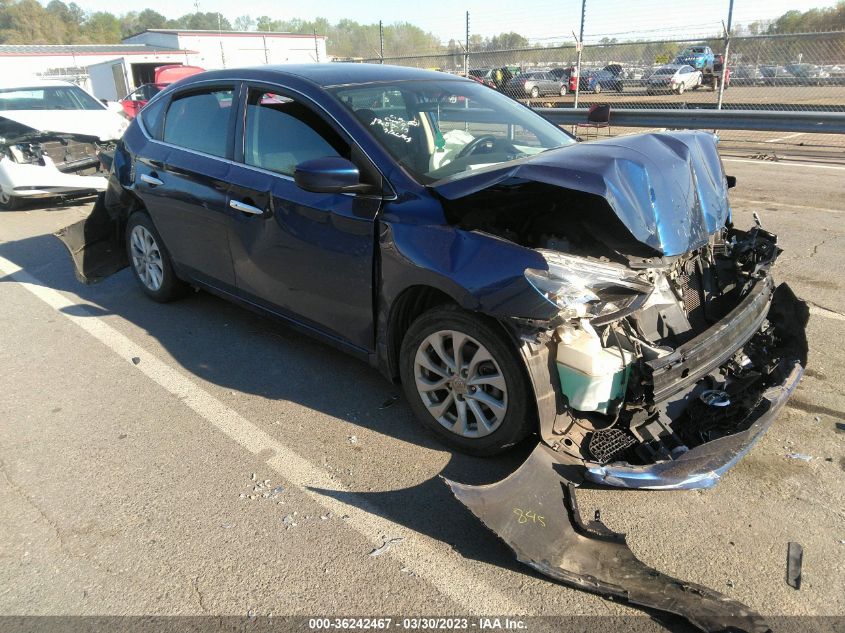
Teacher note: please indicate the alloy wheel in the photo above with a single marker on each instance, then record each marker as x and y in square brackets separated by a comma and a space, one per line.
[146, 258]
[460, 383]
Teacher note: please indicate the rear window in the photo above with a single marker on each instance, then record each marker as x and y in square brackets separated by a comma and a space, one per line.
[200, 121]
[48, 98]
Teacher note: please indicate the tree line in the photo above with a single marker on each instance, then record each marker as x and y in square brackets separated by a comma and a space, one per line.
[30, 22]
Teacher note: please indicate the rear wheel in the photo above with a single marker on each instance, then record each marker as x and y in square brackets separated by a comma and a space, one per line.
[150, 261]
[597, 89]
[562, 92]
[535, 92]
[465, 382]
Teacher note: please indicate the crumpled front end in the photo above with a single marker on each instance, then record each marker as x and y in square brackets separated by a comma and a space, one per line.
[670, 352]
[39, 164]
[671, 349]
[673, 391]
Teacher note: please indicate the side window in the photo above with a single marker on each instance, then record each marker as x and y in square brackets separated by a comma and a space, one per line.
[280, 133]
[200, 121]
[152, 117]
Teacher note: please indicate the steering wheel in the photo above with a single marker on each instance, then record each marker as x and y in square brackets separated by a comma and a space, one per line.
[475, 143]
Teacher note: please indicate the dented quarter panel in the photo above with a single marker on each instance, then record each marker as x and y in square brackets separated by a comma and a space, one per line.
[668, 189]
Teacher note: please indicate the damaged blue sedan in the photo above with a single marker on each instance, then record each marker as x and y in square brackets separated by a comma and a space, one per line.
[514, 280]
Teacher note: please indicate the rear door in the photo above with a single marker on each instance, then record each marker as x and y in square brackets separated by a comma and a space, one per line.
[182, 180]
[307, 256]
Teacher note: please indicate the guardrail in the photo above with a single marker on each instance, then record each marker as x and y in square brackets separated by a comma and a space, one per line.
[699, 119]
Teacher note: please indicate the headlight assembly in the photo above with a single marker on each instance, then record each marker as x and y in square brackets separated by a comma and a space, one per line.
[585, 288]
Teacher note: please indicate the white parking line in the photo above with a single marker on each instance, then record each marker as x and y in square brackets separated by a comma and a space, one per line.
[786, 204]
[783, 163]
[446, 571]
[783, 138]
[825, 313]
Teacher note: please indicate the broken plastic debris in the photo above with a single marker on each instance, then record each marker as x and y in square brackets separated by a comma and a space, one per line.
[384, 547]
[289, 522]
[801, 456]
[535, 512]
[277, 491]
[794, 559]
[135, 360]
[252, 476]
[390, 402]
[353, 439]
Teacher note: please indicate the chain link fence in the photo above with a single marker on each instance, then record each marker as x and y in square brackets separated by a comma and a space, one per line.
[792, 72]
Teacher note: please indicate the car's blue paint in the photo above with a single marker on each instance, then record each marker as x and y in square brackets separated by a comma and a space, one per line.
[335, 263]
[700, 60]
[330, 174]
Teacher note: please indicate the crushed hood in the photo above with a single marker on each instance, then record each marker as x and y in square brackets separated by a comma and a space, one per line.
[102, 124]
[668, 189]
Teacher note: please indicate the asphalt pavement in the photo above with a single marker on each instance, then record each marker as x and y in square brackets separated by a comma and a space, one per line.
[194, 458]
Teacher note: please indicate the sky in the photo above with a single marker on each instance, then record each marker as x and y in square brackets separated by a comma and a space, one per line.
[539, 20]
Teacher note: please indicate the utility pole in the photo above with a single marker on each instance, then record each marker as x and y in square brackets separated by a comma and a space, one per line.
[466, 50]
[579, 47]
[727, 53]
[381, 42]
[316, 46]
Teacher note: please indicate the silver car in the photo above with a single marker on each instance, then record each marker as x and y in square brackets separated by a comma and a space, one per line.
[535, 84]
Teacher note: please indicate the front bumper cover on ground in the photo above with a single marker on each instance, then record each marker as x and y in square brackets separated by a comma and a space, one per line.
[534, 511]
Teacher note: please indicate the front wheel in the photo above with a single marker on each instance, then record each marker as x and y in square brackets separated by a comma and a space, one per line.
[681, 87]
[8, 202]
[465, 382]
[535, 92]
[597, 89]
[150, 261]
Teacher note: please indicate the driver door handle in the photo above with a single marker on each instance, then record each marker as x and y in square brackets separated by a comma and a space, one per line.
[245, 208]
[151, 180]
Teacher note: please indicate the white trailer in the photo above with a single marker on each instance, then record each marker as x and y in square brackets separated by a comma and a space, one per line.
[114, 79]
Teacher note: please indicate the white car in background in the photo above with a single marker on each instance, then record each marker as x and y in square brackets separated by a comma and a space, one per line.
[51, 135]
[673, 78]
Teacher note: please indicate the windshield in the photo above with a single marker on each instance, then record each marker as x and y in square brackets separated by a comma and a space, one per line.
[442, 128]
[665, 71]
[47, 98]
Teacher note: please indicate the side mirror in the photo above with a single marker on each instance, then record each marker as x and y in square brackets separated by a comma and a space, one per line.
[331, 174]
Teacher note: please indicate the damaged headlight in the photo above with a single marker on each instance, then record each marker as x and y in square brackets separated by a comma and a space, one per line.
[587, 288]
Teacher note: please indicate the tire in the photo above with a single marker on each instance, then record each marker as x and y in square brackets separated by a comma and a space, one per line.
[535, 92]
[149, 260]
[562, 91]
[9, 202]
[597, 89]
[508, 414]
[681, 87]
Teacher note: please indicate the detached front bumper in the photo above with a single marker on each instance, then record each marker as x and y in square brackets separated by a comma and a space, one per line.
[703, 466]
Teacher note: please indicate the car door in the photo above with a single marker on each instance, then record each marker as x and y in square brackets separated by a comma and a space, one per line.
[308, 256]
[550, 85]
[181, 179]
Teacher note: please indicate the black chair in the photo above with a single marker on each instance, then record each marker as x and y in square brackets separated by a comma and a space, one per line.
[598, 116]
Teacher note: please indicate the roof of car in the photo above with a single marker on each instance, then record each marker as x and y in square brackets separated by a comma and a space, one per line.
[338, 73]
